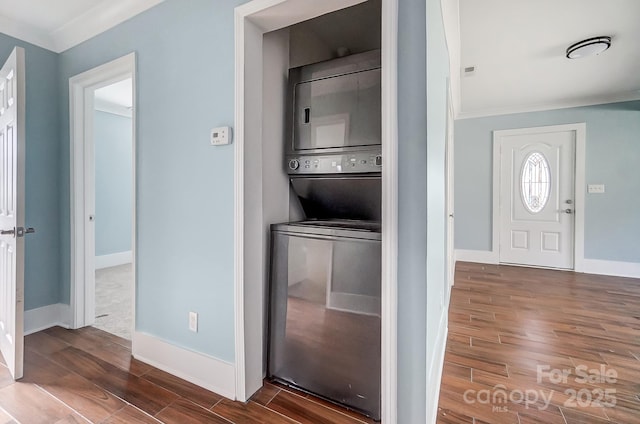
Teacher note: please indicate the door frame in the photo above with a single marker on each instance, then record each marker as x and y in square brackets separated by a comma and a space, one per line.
[82, 195]
[252, 20]
[449, 190]
[580, 130]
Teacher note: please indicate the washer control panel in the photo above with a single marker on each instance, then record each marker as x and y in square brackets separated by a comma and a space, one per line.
[357, 162]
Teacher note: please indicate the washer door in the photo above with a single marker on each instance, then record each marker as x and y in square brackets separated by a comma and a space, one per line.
[324, 327]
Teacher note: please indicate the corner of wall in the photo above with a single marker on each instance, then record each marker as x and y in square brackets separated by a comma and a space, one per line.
[46, 317]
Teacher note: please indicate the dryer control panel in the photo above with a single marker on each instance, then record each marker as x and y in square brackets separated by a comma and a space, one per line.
[343, 163]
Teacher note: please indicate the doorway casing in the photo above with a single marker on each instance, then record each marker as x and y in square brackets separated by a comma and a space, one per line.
[252, 21]
[82, 182]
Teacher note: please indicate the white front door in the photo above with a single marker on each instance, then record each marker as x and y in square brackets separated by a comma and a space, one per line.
[12, 144]
[537, 201]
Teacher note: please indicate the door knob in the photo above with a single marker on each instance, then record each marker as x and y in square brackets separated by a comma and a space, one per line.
[568, 202]
[569, 211]
[18, 232]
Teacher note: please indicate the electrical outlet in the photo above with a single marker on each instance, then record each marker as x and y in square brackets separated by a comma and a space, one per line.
[193, 321]
[595, 188]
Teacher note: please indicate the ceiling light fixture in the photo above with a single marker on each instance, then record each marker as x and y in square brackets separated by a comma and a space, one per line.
[588, 47]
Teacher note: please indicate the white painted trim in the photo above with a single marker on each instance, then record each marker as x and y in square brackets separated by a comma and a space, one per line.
[113, 259]
[259, 16]
[26, 32]
[271, 15]
[390, 190]
[112, 108]
[102, 17]
[82, 238]
[434, 373]
[616, 268]
[580, 130]
[591, 101]
[449, 189]
[197, 368]
[238, 189]
[579, 195]
[477, 256]
[46, 317]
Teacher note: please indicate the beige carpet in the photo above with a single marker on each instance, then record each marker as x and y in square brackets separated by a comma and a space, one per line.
[113, 300]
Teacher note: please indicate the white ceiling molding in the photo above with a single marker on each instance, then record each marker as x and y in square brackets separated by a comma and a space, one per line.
[591, 101]
[91, 22]
[97, 20]
[114, 109]
[26, 32]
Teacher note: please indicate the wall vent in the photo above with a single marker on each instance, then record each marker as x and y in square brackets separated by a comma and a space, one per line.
[468, 71]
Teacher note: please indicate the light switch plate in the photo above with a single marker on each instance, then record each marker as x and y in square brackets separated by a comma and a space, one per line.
[220, 136]
[595, 188]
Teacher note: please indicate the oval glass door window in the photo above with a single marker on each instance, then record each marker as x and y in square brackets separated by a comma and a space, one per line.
[535, 182]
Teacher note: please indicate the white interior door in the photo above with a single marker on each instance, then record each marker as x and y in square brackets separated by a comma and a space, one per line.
[12, 143]
[537, 199]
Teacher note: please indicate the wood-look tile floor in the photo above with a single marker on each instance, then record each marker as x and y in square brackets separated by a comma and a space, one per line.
[89, 376]
[541, 346]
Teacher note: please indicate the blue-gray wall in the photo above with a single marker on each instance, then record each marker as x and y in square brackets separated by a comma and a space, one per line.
[437, 284]
[185, 186]
[42, 206]
[412, 210]
[612, 227]
[114, 182]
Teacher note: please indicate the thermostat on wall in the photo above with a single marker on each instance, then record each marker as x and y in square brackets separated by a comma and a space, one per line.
[220, 136]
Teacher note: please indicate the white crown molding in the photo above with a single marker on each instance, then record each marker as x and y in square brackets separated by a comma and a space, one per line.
[26, 32]
[589, 101]
[113, 108]
[97, 20]
[94, 21]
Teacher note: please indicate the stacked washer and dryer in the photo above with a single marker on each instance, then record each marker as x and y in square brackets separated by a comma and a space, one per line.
[324, 312]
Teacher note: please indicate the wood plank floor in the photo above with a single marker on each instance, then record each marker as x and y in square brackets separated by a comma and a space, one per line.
[541, 346]
[89, 376]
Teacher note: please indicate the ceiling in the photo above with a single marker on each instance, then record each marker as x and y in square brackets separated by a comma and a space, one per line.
[118, 94]
[518, 50]
[61, 24]
[516, 46]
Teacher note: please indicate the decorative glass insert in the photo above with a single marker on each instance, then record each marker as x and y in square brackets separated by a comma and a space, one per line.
[535, 182]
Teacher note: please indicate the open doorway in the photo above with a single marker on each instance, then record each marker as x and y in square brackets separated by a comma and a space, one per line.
[113, 155]
[92, 108]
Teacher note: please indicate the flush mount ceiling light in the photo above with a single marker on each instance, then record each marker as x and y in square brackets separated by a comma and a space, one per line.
[588, 47]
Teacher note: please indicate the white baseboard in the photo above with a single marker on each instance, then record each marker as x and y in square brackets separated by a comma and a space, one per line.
[46, 317]
[202, 370]
[477, 256]
[587, 266]
[434, 378]
[113, 259]
[616, 268]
